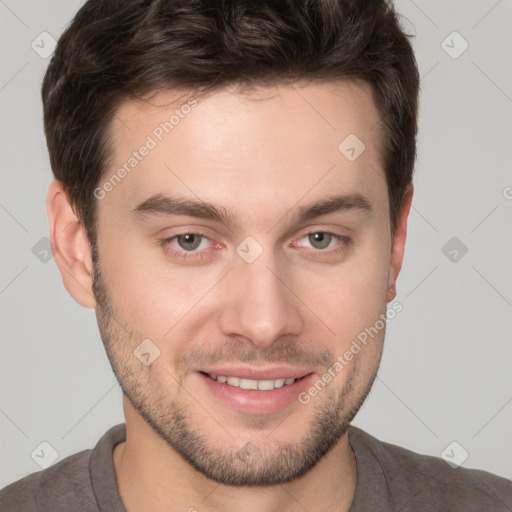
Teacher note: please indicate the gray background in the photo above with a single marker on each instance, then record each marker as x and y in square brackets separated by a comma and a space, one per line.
[445, 375]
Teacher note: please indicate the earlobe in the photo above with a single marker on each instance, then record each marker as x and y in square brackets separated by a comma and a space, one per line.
[70, 246]
[398, 244]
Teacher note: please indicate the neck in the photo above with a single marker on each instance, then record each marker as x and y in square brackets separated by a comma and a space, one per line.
[152, 476]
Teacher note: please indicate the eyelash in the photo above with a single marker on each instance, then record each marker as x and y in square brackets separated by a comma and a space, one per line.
[185, 255]
[199, 255]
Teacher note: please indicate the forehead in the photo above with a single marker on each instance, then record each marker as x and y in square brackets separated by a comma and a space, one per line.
[245, 147]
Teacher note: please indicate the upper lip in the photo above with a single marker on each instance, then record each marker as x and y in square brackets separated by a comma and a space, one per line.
[255, 373]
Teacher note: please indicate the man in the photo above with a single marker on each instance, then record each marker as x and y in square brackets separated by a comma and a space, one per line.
[233, 181]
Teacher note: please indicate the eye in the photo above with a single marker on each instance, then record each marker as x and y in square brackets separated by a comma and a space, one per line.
[189, 241]
[195, 246]
[324, 244]
[320, 239]
[186, 245]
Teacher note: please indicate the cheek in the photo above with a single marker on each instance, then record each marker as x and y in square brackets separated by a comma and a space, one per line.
[150, 294]
[350, 297]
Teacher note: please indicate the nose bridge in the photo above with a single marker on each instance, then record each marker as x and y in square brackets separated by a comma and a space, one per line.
[260, 307]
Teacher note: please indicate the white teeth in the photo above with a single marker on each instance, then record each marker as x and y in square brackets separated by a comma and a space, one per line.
[262, 385]
[248, 384]
[234, 381]
[279, 383]
[266, 385]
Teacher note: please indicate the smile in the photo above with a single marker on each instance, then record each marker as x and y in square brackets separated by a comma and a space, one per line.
[261, 385]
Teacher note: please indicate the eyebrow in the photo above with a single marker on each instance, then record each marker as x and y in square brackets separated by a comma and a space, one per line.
[160, 204]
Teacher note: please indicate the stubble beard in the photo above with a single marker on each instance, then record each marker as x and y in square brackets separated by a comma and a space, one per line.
[253, 464]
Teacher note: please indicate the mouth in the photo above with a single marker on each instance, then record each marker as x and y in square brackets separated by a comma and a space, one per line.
[260, 385]
[240, 389]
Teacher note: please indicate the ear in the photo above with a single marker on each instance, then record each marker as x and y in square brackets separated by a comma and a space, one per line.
[398, 244]
[70, 246]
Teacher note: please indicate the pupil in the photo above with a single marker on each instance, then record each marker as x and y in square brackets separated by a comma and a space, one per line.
[321, 239]
[189, 241]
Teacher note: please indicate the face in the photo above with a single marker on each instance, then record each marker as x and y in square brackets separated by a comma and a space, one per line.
[245, 243]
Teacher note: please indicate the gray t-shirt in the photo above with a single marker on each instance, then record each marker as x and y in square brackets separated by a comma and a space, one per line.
[389, 478]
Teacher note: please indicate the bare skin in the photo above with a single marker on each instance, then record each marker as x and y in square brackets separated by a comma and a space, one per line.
[262, 155]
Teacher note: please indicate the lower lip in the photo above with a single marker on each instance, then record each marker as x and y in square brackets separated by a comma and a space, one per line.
[256, 401]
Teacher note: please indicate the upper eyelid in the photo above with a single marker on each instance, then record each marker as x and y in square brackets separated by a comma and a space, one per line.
[172, 238]
[200, 230]
[337, 237]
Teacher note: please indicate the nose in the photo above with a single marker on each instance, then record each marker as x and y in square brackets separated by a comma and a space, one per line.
[260, 305]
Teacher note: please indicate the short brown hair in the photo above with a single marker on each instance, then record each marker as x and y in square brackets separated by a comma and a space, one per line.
[119, 49]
